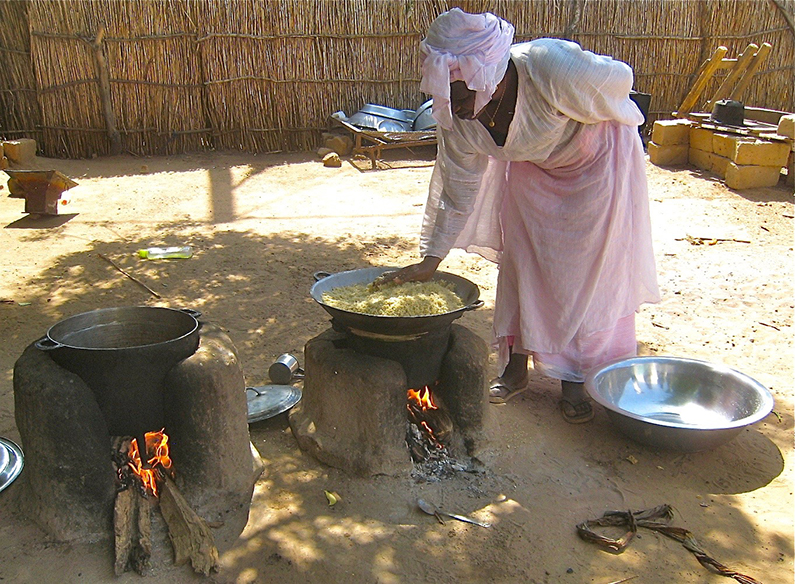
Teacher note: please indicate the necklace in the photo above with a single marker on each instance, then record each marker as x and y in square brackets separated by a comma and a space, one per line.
[499, 104]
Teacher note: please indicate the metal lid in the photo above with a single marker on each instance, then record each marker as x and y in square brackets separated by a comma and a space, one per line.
[11, 462]
[267, 401]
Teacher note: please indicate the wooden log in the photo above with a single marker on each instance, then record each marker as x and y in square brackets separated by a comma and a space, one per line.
[104, 93]
[142, 550]
[190, 535]
[124, 526]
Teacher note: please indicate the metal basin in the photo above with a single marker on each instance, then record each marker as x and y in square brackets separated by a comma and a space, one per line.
[675, 403]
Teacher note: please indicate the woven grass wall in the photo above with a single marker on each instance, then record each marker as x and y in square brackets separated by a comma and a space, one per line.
[88, 78]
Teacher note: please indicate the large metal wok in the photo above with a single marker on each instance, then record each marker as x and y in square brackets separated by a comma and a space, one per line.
[392, 325]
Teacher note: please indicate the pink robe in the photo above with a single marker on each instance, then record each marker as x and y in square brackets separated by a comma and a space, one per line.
[562, 207]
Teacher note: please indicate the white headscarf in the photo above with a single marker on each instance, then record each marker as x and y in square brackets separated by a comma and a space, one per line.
[473, 48]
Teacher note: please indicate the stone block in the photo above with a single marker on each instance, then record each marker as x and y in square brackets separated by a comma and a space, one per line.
[708, 161]
[786, 126]
[747, 177]
[671, 155]
[726, 144]
[670, 132]
[20, 153]
[342, 145]
[701, 139]
[761, 153]
[332, 160]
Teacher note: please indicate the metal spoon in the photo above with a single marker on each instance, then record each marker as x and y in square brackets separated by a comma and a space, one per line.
[431, 509]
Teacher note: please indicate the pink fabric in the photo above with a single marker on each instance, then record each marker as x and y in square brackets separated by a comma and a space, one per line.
[577, 258]
[562, 206]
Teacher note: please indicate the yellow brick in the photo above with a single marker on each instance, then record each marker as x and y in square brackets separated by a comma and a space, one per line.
[670, 132]
[708, 161]
[786, 126]
[748, 177]
[673, 155]
[761, 153]
[726, 144]
[701, 139]
[20, 152]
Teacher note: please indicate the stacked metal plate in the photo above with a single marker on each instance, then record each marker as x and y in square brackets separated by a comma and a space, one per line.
[11, 462]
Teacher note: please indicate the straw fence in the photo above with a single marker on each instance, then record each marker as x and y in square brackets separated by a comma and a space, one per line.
[152, 77]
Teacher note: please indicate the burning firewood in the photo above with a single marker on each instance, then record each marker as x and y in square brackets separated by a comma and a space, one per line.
[133, 536]
[131, 519]
[189, 534]
[143, 477]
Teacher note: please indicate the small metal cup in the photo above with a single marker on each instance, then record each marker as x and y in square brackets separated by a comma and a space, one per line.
[285, 369]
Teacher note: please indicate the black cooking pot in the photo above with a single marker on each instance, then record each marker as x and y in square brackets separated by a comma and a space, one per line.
[392, 325]
[728, 112]
[123, 355]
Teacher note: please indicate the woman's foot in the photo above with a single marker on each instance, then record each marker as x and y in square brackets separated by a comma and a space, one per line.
[502, 389]
[575, 406]
[512, 382]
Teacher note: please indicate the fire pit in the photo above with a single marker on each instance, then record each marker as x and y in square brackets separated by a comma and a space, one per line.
[84, 458]
[383, 395]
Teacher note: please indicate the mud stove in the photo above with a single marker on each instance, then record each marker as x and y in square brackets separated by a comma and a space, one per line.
[358, 413]
[102, 378]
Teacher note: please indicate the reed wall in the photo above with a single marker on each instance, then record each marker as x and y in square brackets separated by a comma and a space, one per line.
[91, 78]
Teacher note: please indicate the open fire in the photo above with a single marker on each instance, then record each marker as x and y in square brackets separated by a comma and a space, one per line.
[145, 483]
[434, 424]
[430, 428]
[157, 463]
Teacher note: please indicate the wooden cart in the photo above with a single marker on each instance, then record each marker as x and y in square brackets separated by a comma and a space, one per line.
[371, 143]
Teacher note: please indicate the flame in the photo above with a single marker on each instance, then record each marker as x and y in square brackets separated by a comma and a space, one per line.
[157, 453]
[422, 398]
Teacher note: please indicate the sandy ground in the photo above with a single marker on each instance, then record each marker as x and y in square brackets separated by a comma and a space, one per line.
[262, 225]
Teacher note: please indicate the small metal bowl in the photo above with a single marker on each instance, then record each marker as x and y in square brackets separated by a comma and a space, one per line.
[675, 403]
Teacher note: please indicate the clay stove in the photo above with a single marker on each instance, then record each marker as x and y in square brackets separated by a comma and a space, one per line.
[353, 414]
[69, 485]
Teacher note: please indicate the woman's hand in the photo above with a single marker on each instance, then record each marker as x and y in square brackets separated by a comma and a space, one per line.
[421, 272]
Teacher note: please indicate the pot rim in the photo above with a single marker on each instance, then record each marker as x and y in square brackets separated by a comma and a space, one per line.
[50, 342]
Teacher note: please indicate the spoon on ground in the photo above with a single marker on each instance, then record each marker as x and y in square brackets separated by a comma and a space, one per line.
[431, 509]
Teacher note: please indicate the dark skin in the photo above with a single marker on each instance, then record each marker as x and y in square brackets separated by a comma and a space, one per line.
[500, 110]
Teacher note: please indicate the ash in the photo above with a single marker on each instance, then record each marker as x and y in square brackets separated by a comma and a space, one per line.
[432, 461]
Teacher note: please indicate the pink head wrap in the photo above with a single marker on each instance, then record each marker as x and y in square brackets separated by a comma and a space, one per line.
[473, 48]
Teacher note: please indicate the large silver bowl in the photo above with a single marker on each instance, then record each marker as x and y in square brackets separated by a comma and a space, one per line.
[675, 403]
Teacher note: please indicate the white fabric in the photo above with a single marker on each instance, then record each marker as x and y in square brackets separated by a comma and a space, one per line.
[562, 206]
[473, 48]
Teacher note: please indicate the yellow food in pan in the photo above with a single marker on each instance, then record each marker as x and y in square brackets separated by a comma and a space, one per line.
[408, 299]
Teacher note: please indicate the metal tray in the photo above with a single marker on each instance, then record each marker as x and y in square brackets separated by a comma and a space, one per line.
[11, 462]
[267, 401]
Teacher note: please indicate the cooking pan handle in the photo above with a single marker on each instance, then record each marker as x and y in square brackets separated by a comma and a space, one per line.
[194, 313]
[475, 305]
[47, 344]
[320, 275]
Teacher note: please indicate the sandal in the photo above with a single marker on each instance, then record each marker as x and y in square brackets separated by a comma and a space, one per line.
[500, 392]
[576, 412]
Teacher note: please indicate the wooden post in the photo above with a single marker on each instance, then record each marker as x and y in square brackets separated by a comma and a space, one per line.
[743, 61]
[705, 74]
[760, 56]
[104, 93]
